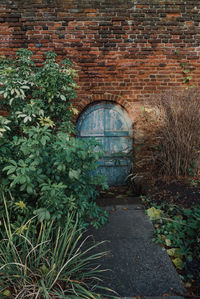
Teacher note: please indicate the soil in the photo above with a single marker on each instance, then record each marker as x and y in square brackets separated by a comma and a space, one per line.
[183, 193]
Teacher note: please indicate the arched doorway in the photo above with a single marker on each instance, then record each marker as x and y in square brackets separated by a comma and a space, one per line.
[110, 124]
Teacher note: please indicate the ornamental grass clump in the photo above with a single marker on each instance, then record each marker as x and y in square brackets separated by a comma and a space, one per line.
[49, 264]
[171, 125]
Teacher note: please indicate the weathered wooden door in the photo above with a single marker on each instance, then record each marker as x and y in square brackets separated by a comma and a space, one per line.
[111, 126]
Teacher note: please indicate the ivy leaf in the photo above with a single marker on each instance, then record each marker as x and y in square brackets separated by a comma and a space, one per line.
[186, 71]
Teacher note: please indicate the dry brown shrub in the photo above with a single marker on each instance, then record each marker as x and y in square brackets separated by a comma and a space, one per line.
[171, 126]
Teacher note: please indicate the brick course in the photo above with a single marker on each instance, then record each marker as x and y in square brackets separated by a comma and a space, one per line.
[124, 51]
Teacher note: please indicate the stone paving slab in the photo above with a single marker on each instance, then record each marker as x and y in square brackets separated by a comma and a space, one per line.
[138, 266]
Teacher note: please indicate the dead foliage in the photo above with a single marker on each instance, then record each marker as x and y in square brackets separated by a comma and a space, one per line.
[171, 128]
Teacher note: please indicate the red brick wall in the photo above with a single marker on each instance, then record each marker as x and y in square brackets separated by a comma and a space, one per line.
[124, 50]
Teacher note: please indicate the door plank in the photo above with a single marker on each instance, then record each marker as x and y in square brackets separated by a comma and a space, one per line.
[110, 126]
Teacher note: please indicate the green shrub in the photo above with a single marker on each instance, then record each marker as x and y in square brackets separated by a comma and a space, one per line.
[41, 162]
[48, 264]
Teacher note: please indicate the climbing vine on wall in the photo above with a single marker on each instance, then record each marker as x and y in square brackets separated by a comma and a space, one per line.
[186, 69]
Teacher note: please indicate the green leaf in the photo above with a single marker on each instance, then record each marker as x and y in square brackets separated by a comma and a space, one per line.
[60, 167]
[29, 189]
[6, 293]
[44, 269]
[74, 174]
[189, 258]
[43, 214]
[23, 187]
[186, 71]
[6, 168]
[43, 140]
[13, 162]
[68, 158]
[15, 180]
[11, 170]
[22, 179]
[22, 163]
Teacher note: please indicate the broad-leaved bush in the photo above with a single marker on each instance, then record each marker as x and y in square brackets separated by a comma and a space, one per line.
[48, 171]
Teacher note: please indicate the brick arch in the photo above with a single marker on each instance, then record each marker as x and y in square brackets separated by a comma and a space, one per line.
[82, 104]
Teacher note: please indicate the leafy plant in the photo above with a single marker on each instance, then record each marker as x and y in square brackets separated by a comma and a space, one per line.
[48, 264]
[48, 90]
[41, 161]
[178, 229]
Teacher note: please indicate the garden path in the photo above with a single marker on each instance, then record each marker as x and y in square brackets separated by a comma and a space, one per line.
[138, 266]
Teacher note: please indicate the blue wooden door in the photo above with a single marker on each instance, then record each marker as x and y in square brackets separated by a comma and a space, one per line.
[111, 126]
